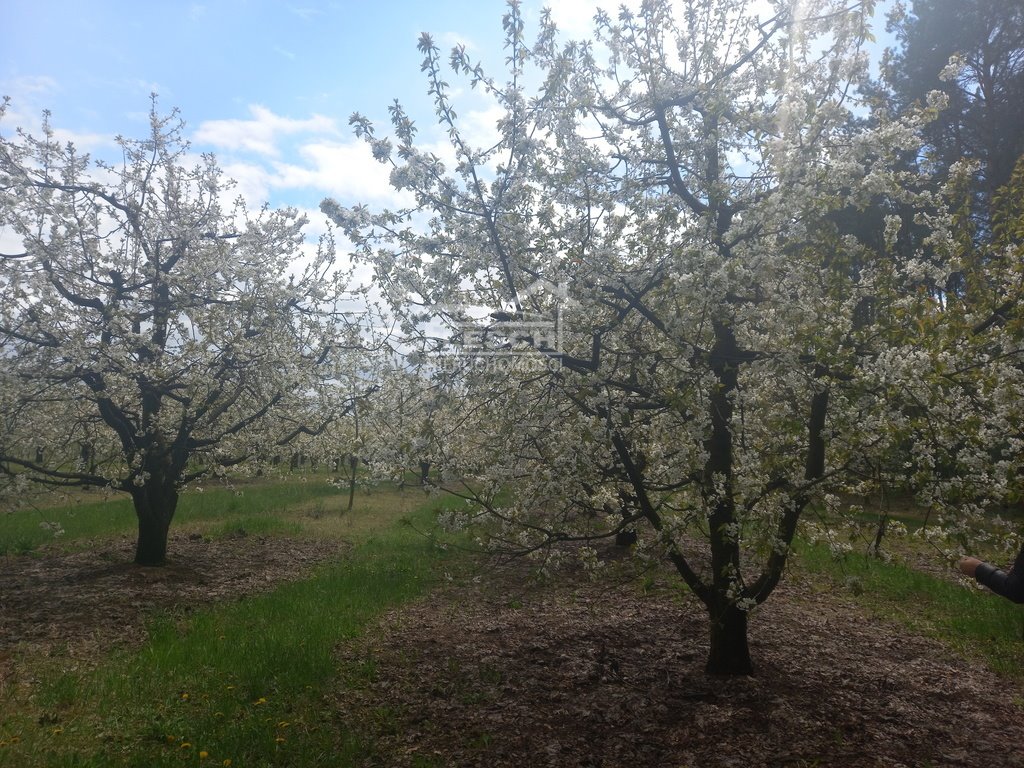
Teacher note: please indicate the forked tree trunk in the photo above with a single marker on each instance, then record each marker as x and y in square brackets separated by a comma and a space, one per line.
[729, 653]
[154, 508]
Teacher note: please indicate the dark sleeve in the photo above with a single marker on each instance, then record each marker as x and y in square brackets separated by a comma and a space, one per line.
[1009, 585]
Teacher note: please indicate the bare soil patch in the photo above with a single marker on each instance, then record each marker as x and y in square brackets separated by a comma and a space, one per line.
[81, 603]
[584, 674]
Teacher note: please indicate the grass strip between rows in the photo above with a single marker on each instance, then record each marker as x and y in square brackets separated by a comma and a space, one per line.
[27, 529]
[234, 685]
[975, 623]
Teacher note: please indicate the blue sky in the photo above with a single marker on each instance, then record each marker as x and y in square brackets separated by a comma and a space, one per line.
[268, 86]
[216, 58]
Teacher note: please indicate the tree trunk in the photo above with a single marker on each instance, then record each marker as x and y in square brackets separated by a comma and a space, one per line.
[876, 545]
[353, 465]
[154, 508]
[729, 654]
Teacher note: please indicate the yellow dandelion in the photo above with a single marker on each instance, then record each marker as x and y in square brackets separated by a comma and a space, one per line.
[185, 745]
[184, 697]
[203, 754]
[260, 700]
[57, 730]
[227, 762]
[170, 739]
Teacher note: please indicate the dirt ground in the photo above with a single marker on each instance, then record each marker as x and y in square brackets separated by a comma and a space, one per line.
[498, 671]
[598, 675]
[79, 604]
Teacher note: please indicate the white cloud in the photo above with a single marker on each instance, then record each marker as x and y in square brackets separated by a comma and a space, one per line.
[480, 126]
[315, 162]
[343, 170]
[29, 98]
[271, 152]
[260, 134]
[87, 142]
[575, 18]
[449, 40]
[11, 243]
[346, 170]
[252, 182]
[29, 85]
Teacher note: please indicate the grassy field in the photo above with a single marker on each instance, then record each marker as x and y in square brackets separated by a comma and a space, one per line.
[245, 683]
[975, 623]
[215, 506]
[237, 684]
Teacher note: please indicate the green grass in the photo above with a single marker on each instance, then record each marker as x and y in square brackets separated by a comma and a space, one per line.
[217, 507]
[252, 682]
[241, 682]
[975, 623]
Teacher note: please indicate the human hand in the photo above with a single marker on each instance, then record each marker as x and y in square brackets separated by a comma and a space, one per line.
[968, 565]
